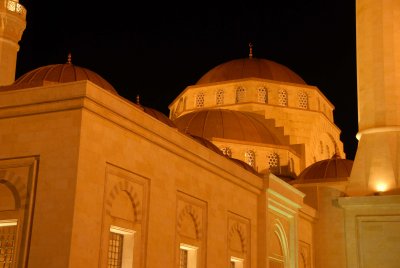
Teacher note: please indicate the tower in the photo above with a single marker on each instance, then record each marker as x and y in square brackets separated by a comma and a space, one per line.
[377, 162]
[371, 209]
[12, 25]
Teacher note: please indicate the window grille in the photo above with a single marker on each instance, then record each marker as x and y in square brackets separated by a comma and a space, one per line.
[7, 245]
[250, 158]
[303, 100]
[200, 100]
[283, 97]
[183, 262]
[220, 97]
[240, 94]
[262, 95]
[227, 151]
[115, 250]
[273, 161]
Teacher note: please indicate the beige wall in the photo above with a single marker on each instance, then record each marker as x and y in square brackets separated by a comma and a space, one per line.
[103, 162]
[372, 225]
[53, 139]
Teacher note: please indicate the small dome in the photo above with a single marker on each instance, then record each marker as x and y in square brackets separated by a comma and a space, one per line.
[334, 169]
[207, 144]
[59, 73]
[229, 124]
[250, 67]
[245, 166]
[214, 148]
[158, 115]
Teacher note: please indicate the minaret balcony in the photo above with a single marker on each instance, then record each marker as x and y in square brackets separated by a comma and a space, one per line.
[13, 6]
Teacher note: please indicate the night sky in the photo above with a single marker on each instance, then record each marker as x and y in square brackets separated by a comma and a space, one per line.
[157, 49]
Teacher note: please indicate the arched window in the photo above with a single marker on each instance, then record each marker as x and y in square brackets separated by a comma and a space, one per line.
[220, 97]
[328, 151]
[283, 97]
[291, 165]
[250, 157]
[240, 94]
[262, 95]
[273, 162]
[200, 100]
[303, 100]
[227, 151]
[321, 147]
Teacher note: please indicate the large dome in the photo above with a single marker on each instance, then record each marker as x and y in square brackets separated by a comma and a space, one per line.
[250, 67]
[228, 124]
[59, 73]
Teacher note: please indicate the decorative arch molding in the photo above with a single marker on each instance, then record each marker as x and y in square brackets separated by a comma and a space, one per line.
[13, 192]
[304, 255]
[16, 186]
[125, 211]
[335, 146]
[124, 187]
[324, 143]
[279, 231]
[237, 229]
[189, 212]
[18, 179]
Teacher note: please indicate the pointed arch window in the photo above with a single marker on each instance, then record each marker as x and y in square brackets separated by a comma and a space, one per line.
[262, 95]
[273, 162]
[240, 94]
[283, 97]
[250, 157]
[303, 100]
[200, 100]
[328, 151]
[227, 151]
[220, 97]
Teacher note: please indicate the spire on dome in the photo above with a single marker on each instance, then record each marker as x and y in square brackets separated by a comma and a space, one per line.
[250, 50]
[69, 61]
[137, 99]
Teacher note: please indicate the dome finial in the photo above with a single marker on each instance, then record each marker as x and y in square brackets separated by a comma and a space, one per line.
[69, 61]
[336, 155]
[137, 99]
[250, 50]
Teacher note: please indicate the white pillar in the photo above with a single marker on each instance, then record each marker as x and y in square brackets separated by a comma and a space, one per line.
[12, 25]
[377, 161]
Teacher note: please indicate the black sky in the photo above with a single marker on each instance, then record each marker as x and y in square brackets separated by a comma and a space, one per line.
[157, 49]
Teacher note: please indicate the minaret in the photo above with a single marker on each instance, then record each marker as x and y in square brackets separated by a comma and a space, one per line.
[12, 25]
[377, 163]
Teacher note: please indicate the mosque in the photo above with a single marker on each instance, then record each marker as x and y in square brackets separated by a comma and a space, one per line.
[248, 170]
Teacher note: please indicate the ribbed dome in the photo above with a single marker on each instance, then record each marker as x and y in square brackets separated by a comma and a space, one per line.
[158, 115]
[250, 67]
[228, 124]
[214, 148]
[245, 166]
[59, 73]
[208, 144]
[326, 170]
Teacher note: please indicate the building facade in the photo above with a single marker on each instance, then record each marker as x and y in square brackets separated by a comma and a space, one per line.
[247, 171]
